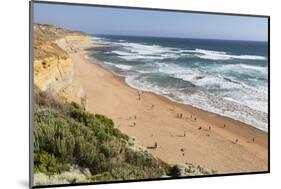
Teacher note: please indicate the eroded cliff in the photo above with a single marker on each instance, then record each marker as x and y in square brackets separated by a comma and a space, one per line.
[53, 67]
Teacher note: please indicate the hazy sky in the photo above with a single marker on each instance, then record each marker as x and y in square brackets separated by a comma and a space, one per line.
[117, 21]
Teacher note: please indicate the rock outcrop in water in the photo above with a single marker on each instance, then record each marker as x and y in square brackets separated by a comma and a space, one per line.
[53, 67]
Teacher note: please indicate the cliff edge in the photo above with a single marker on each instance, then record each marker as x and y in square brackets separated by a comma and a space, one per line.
[53, 67]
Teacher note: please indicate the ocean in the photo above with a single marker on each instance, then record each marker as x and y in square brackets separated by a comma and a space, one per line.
[226, 77]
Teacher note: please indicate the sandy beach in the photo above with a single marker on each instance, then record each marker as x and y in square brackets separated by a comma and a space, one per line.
[182, 133]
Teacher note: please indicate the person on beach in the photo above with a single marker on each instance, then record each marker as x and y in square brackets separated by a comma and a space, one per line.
[139, 95]
[224, 125]
[182, 150]
[184, 134]
[155, 145]
[134, 124]
[253, 139]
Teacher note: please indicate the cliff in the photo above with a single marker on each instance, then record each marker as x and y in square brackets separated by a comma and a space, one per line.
[53, 67]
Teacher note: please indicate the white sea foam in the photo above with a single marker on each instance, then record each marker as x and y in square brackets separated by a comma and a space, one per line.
[133, 56]
[100, 40]
[123, 53]
[123, 67]
[120, 66]
[133, 51]
[143, 49]
[218, 55]
[226, 106]
[254, 97]
[196, 77]
[244, 67]
[138, 51]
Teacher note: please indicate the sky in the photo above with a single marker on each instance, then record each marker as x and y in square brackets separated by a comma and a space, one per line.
[120, 21]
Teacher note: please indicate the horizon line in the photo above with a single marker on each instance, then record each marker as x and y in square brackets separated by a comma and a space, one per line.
[221, 39]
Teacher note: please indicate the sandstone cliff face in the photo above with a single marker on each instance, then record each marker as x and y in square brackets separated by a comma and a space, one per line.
[53, 67]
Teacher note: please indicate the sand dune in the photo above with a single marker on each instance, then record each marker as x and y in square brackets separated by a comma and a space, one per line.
[153, 118]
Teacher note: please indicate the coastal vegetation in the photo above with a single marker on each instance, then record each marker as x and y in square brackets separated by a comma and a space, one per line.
[66, 135]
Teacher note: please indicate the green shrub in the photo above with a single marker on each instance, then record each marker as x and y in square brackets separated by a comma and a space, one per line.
[48, 164]
[106, 176]
[76, 106]
[175, 171]
[167, 168]
[85, 152]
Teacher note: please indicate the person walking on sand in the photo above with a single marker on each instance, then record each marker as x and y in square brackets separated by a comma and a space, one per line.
[155, 145]
[139, 95]
[253, 139]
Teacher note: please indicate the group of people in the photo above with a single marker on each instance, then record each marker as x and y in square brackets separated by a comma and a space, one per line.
[180, 116]
[237, 140]
[135, 120]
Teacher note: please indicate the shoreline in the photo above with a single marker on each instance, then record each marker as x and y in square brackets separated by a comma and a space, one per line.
[204, 141]
[197, 111]
[167, 98]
